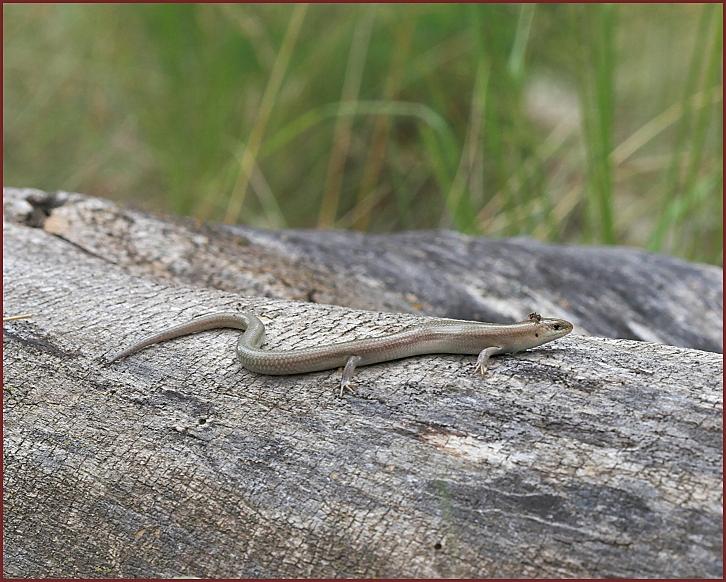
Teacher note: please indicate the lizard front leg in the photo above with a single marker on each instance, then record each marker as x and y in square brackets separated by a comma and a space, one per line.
[483, 360]
[348, 372]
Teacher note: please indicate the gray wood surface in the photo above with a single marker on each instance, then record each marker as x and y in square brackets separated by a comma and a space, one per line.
[586, 457]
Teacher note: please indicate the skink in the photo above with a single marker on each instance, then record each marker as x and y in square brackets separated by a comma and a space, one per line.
[439, 336]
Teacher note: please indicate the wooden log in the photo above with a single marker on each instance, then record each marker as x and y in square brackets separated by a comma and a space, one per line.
[586, 457]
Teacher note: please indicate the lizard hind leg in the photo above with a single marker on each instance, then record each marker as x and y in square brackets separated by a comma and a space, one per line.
[483, 360]
[348, 372]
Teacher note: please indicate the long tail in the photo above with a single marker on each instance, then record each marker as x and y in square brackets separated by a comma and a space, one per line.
[203, 323]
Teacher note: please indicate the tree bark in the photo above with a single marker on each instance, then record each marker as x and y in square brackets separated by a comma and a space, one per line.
[586, 457]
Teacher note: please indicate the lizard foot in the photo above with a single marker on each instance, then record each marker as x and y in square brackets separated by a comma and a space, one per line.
[482, 361]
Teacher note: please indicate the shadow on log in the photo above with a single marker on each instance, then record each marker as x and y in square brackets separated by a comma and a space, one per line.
[586, 457]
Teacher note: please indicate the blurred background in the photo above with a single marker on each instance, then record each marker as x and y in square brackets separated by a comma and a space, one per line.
[587, 124]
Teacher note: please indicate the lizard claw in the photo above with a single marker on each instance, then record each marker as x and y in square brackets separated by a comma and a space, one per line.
[345, 385]
[481, 368]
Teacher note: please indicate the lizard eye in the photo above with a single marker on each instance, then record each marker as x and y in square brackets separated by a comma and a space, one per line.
[557, 326]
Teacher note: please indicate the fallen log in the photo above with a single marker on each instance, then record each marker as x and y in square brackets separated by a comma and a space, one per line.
[586, 457]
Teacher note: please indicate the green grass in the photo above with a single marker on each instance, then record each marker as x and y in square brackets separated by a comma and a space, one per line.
[596, 124]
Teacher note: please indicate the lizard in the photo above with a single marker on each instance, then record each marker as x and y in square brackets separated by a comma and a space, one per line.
[437, 336]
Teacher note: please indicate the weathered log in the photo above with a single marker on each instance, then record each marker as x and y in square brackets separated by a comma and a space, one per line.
[585, 457]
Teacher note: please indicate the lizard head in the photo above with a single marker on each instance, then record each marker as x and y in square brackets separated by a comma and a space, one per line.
[535, 331]
[552, 329]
